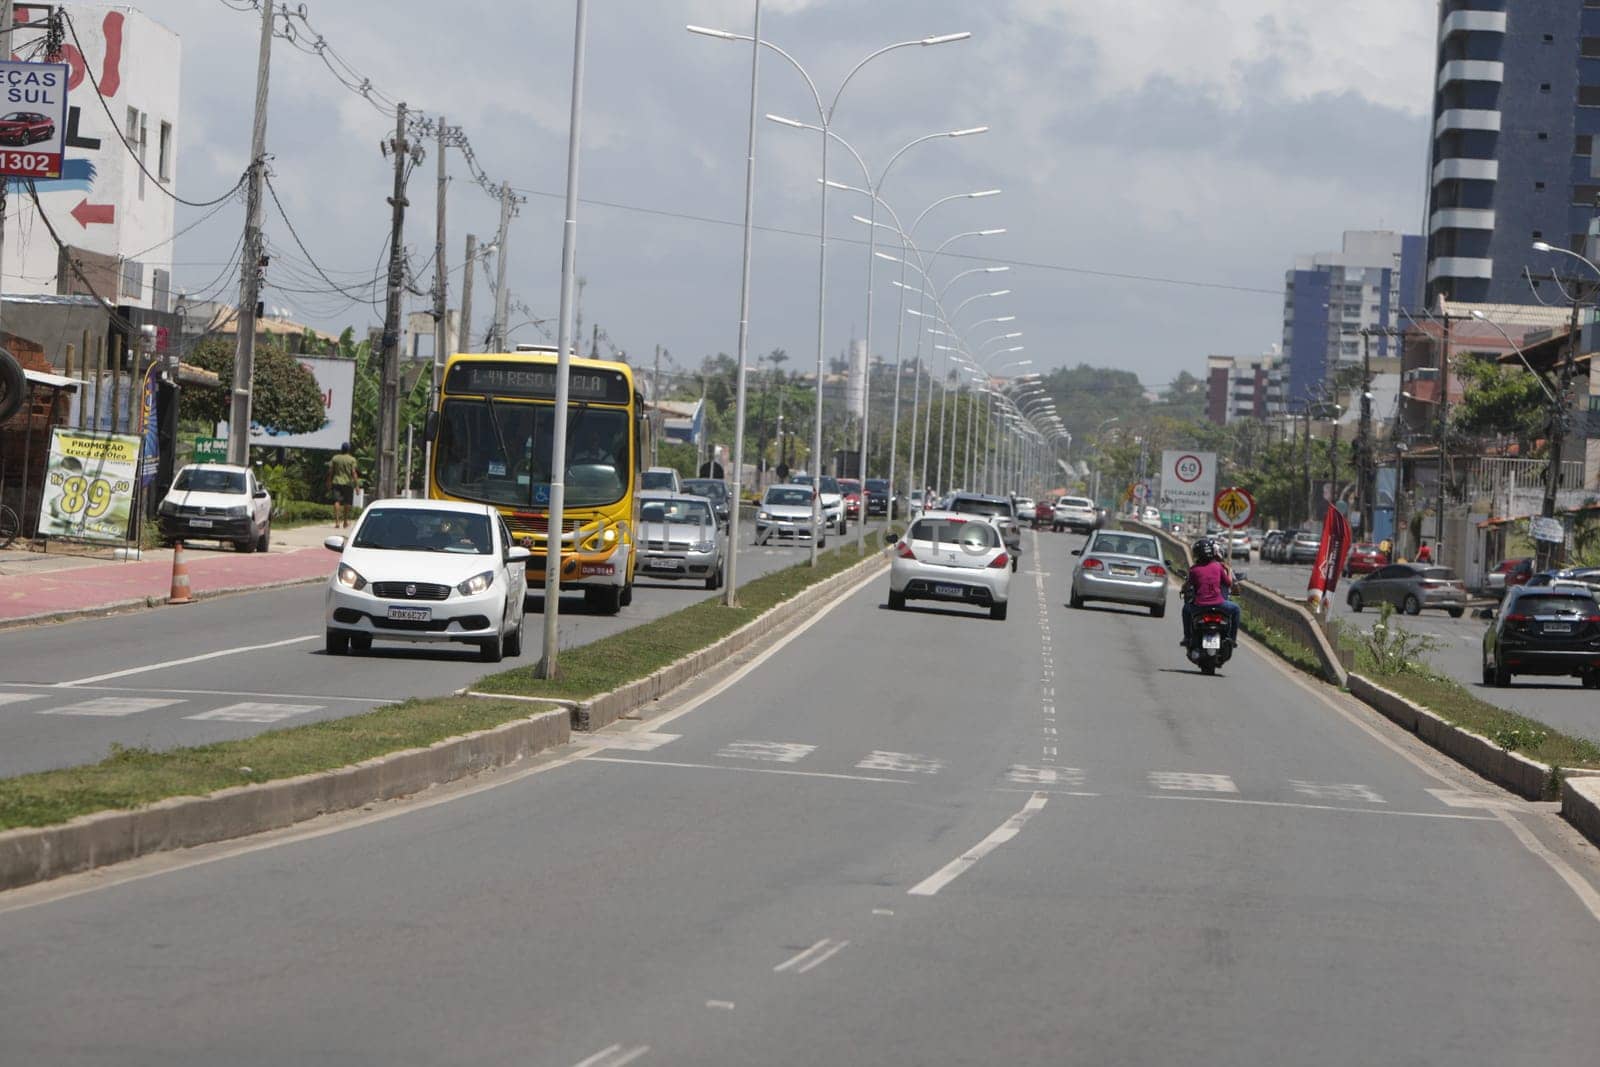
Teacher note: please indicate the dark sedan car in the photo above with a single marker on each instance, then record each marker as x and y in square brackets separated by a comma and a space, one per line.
[26, 127]
[714, 490]
[878, 497]
[1410, 587]
[1549, 631]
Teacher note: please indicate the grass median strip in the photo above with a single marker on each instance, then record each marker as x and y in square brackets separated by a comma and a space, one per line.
[1286, 647]
[133, 777]
[1451, 701]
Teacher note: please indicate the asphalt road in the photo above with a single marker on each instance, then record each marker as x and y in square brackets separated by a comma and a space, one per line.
[1559, 702]
[919, 837]
[235, 666]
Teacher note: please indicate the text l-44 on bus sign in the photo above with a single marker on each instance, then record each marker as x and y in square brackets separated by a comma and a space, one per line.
[33, 119]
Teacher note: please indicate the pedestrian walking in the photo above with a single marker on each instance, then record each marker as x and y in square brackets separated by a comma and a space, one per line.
[344, 478]
[1424, 554]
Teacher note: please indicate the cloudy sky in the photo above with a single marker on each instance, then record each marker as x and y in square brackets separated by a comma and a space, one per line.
[1161, 163]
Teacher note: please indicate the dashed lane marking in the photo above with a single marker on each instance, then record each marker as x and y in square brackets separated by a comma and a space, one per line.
[636, 741]
[252, 711]
[767, 751]
[187, 659]
[614, 1056]
[1198, 799]
[963, 863]
[111, 707]
[17, 698]
[1022, 775]
[811, 958]
[745, 770]
[1335, 791]
[902, 762]
[1200, 783]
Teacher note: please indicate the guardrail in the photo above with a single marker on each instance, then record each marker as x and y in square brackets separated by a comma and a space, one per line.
[1277, 611]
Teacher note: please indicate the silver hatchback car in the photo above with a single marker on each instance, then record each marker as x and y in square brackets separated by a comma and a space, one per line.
[1124, 568]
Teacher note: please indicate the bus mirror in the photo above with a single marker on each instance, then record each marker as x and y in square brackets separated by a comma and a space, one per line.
[430, 429]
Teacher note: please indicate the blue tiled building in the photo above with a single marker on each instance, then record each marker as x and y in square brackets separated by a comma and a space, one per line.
[1516, 116]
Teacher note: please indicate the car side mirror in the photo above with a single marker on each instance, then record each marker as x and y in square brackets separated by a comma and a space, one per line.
[260, 494]
[1077, 552]
[430, 427]
[518, 554]
[890, 537]
[334, 543]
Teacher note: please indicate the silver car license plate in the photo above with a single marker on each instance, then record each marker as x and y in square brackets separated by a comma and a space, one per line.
[1211, 642]
[200, 524]
[666, 563]
[411, 614]
[948, 590]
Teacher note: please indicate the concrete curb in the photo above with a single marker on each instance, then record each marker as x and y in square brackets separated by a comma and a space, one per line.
[36, 854]
[145, 602]
[601, 711]
[1527, 778]
[1580, 806]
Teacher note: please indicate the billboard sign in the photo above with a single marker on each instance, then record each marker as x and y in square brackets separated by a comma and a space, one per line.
[1188, 480]
[88, 485]
[336, 380]
[33, 119]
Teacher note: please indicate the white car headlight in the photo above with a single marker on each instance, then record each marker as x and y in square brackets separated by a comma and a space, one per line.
[169, 507]
[764, 516]
[238, 511]
[350, 577]
[476, 584]
[705, 546]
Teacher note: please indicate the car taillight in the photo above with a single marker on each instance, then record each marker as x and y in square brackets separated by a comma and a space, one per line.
[905, 551]
[1002, 560]
[1092, 564]
[1155, 570]
[1518, 617]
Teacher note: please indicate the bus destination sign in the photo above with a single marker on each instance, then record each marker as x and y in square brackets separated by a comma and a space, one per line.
[536, 382]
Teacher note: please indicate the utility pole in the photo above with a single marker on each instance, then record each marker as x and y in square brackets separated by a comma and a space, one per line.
[441, 302]
[1311, 489]
[1444, 428]
[244, 356]
[464, 344]
[1365, 474]
[389, 383]
[655, 415]
[501, 296]
[1550, 551]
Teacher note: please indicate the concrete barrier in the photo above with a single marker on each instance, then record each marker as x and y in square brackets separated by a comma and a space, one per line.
[1580, 805]
[1527, 778]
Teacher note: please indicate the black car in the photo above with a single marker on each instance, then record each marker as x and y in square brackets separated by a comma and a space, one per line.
[714, 490]
[998, 507]
[878, 496]
[1544, 630]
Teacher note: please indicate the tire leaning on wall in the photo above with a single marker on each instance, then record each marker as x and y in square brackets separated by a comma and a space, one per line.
[13, 385]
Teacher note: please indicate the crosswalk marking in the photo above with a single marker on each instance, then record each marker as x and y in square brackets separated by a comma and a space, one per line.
[1023, 775]
[252, 711]
[1196, 783]
[904, 762]
[17, 698]
[636, 742]
[767, 751]
[111, 707]
[1335, 791]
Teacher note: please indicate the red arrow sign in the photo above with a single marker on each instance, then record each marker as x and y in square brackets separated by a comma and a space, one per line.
[87, 213]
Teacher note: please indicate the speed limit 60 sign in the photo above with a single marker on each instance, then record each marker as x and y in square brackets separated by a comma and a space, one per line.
[1188, 480]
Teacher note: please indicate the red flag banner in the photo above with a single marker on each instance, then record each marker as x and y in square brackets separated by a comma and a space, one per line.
[1331, 554]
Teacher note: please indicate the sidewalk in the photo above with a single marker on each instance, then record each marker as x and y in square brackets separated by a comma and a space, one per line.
[37, 586]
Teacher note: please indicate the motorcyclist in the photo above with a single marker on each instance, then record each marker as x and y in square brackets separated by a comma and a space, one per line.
[1207, 586]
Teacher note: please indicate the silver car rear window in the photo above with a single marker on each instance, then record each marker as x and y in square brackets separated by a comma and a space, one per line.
[959, 534]
[1124, 545]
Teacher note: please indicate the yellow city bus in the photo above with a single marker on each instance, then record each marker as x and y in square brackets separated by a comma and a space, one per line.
[492, 435]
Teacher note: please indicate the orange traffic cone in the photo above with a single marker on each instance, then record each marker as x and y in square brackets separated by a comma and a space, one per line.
[180, 577]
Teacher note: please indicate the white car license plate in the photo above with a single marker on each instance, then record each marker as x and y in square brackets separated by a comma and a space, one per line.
[666, 563]
[200, 524]
[1558, 627]
[948, 590]
[1211, 642]
[1127, 571]
[411, 614]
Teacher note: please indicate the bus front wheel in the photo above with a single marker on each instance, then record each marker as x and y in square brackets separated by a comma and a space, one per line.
[607, 600]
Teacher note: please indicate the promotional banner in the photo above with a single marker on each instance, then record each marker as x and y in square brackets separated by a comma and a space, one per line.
[88, 485]
[336, 379]
[33, 118]
[1331, 554]
[1188, 481]
[150, 463]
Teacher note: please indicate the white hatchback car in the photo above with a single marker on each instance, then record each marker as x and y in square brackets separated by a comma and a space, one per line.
[954, 558]
[427, 571]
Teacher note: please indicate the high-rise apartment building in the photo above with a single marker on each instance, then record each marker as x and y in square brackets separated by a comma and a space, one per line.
[1515, 119]
[1329, 298]
[1244, 387]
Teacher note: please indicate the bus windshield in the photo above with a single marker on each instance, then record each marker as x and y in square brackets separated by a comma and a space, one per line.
[498, 452]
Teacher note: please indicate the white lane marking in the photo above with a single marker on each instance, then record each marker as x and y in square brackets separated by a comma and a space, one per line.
[111, 707]
[760, 661]
[1023, 775]
[1336, 791]
[903, 762]
[815, 956]
[1458, 798]
[1321, 807]
[250, 711]
[724, 1005]
[1205, 783]
[766, 751]
[187, 659]
[636, 741]
[745, 770]
[377, 701]
[883, 911]
[614, 1056]
[1576, 882]
[17, 698]
[967, 860]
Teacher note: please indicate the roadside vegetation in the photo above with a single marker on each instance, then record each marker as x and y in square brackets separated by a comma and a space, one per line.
[132, 777]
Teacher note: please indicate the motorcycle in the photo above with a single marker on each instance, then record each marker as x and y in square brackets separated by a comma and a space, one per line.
[1210, 646]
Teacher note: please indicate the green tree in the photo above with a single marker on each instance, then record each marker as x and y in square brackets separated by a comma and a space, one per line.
[1499, 402]
[285, 397]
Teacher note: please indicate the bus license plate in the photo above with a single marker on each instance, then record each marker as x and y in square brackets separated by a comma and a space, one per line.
[411, 614]
[1211, 642]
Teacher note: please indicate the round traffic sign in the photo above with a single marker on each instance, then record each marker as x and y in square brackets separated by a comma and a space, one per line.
[1188, 468]
[1141, 492]
[1234, 508]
